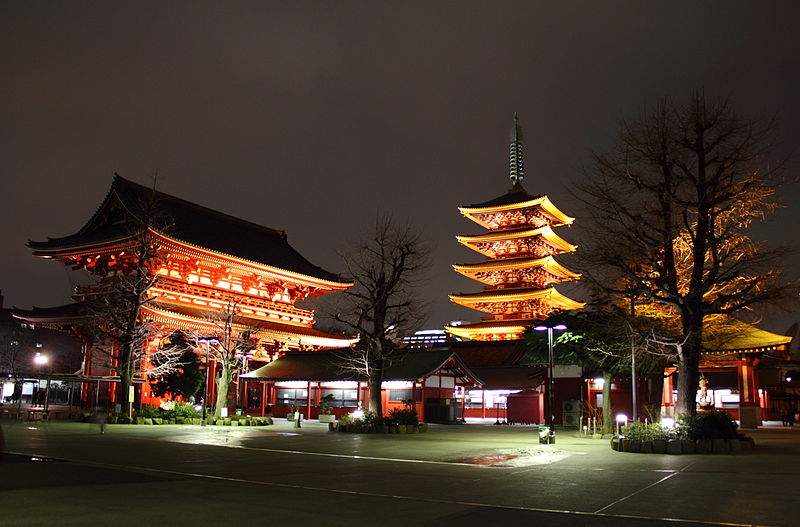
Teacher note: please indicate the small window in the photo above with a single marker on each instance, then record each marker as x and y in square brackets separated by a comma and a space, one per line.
[404, 395]
[342, 398]
[292, 396]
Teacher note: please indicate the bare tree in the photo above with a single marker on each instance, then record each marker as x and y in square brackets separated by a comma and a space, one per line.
[114, 304]
[671, 207]
[229, 340]
[14, 344]
[387, 266]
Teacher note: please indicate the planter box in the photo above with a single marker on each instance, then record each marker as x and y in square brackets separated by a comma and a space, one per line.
[660, 446]
[720, 446]
[327, 418]
[705, 446]
[631, 445]
[148, 420]
[615, 444]
[674, 446]
[688, 446]
[646, 447]
[401, 429]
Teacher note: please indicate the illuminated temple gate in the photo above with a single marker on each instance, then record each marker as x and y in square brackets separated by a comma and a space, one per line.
[206, 262]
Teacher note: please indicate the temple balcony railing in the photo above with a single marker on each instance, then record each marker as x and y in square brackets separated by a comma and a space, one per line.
[242, 300]
[166, 288]
[99, 288]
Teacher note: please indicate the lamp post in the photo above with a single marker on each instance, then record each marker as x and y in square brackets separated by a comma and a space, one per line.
[208, 343]
[551, 417]
[40, 360]
[244, 356]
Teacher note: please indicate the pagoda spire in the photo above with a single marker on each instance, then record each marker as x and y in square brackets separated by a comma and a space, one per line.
[516, 161]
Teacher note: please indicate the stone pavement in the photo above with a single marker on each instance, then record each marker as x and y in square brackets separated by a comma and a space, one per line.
[189, 475]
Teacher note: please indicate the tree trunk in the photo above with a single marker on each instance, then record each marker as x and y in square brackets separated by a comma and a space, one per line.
[123, 391]
[375, 402]
[608, 411]
[689, 370]
[223, 382]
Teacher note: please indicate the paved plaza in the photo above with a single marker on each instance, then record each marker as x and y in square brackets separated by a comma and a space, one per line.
[475, 474]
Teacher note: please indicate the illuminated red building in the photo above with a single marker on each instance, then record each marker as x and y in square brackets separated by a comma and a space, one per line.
[520, 271]
[206, 262]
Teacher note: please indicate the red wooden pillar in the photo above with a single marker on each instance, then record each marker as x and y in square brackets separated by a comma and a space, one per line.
[749, 401]
[463, 403]
[667, 399]
[483, 404]
[263, 397]
[748, 382]
[308, 400]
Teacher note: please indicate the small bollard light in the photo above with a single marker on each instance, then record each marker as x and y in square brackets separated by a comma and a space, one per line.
[544, 435]
[622, 420]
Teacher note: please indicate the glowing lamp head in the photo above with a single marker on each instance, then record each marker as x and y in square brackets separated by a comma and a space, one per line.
[622, 418]
[40, 359]
[668, 422]
[358, 414]
[560, 327]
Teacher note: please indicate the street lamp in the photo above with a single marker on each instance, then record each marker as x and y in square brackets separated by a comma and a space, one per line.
[551, 417]
[244, 356]
[208, 343]
[40, 360]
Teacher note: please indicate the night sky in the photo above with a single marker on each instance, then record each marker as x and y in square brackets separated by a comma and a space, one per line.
[314, 116]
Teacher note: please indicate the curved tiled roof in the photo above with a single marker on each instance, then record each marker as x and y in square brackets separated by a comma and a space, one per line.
[188, 222]
[517, 194]
[328, 365]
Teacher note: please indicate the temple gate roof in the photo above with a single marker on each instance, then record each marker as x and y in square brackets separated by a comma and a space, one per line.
[185, 221]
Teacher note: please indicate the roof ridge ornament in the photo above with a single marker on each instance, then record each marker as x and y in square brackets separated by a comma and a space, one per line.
[516, 160]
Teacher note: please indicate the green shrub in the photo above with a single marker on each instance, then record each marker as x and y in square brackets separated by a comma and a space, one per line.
[148, 411]
[325, 404]
[646, 432]
[185, 410]
[403, 416]
[708, 425]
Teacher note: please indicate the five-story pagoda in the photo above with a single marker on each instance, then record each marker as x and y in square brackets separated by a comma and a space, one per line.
[520, 270]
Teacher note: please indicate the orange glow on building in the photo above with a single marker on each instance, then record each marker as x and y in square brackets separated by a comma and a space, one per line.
[520, 272]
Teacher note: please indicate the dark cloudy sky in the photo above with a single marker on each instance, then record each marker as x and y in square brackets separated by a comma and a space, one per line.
[313, 116]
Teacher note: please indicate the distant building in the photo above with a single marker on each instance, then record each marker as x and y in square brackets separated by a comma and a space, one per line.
[428, 338]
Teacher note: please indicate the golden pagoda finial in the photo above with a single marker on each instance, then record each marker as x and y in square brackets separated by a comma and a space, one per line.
[516, 161]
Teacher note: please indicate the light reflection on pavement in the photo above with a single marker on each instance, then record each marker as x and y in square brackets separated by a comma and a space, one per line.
[223, 436]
